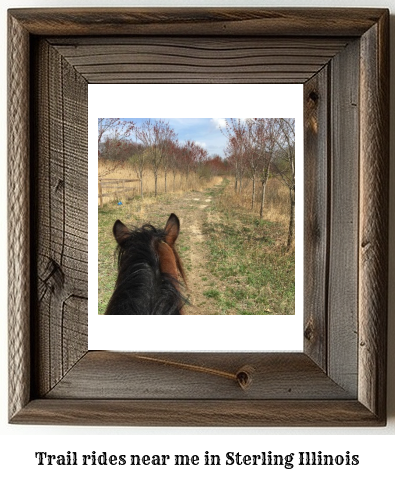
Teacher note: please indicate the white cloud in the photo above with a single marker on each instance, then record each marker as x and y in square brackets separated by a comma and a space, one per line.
[219, 122]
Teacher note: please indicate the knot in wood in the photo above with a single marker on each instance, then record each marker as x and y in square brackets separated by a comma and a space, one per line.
[313, 96]
[244, 376]
[309, 332]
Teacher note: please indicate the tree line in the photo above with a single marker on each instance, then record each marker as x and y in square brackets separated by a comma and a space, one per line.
[154, 146]
[256, 148]
[260, 147]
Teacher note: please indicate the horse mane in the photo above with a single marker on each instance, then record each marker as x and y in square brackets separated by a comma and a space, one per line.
[141, 288]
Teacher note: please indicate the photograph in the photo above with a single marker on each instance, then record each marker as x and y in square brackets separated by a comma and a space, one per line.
[193, 213]
[201, 213]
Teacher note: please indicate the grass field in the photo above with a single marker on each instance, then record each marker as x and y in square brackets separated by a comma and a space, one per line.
[235, 262]
[255, 274]
[174, 183]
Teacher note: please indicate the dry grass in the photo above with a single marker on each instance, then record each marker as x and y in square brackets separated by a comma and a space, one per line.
[178, 184]
[255, 272]
[276, 208]
[235, 262]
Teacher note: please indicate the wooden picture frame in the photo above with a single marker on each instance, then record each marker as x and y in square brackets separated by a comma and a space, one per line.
[342, 58]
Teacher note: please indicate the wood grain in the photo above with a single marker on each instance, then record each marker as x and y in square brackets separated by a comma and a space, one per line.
[331, 22]
[344, 196]
[283, 376]
[202, 413]
[164, 59]
[61, 199]
[18, 217]
[373, 230]
[316, 214]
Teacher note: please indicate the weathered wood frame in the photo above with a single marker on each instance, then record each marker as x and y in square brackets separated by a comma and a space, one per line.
[342, 57]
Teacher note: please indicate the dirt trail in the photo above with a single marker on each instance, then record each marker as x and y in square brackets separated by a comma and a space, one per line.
[193, 209]
[194, 214]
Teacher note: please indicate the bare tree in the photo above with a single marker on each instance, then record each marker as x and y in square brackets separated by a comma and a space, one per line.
[235, 151]
[199, 159]
[138, 160]
[168, 145]
[113, 142]
[268, 148]
[155, 137]
[255, 154]
[176, 164]
[285, 167]
[145, 134]
[191, 158]
[105, 125]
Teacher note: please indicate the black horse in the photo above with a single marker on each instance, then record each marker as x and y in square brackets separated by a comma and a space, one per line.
[149, 271]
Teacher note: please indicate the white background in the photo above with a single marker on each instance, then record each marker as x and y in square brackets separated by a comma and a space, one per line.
[19, 443]
[272, 333]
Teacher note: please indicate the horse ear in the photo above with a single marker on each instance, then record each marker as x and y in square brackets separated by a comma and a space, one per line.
[172, 229]
[120, 231]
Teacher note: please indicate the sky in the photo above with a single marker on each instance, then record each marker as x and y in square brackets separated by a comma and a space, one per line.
[204, 131]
